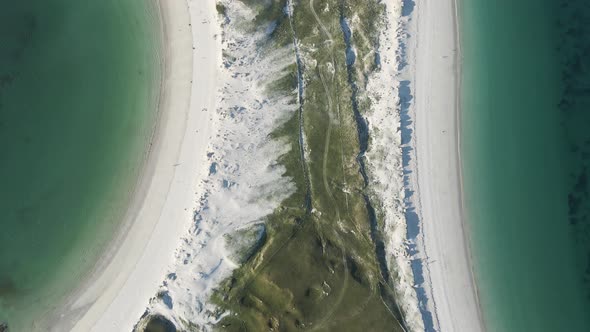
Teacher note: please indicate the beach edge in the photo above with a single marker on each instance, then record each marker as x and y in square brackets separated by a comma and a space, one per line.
[437, 175]
[161, 210]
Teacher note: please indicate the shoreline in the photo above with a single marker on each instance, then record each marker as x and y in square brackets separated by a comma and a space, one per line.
[240, 155]
[131, 268]
[444, 238]
[458, 115]
[129, 273]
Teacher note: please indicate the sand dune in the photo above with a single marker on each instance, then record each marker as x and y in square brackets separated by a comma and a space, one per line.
[131, 272]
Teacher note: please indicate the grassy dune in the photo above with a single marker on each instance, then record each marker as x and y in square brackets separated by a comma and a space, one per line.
[319, 267]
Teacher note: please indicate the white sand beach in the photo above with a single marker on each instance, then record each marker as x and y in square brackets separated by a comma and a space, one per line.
[416, 170]
[118, 290]
[245, 183]
[150, 245]
[435, 60]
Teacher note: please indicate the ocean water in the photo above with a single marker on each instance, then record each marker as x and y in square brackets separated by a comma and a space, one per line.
[79, 83]
[526, 147]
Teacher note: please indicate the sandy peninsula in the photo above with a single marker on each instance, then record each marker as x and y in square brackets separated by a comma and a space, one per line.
[116, 294]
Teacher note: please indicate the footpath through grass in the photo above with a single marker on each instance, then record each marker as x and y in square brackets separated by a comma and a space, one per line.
[318, 269]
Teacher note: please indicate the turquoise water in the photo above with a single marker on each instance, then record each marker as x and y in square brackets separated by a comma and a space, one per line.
[525, 142]
[78, 93]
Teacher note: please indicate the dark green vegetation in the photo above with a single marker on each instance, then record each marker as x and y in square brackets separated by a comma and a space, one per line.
[319, 268]
[156, 323]
[527, 150]
[221, 10]
[78, 87]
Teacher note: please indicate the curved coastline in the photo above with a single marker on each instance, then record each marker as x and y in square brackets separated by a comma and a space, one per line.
[129, 273]
[84, 94]
[115, 293]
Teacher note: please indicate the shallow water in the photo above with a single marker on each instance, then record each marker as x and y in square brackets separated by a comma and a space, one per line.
[77, 107]
[520, 167]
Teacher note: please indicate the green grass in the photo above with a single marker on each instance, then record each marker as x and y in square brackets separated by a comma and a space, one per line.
[245, 242]
[221, 9]
[317, 270]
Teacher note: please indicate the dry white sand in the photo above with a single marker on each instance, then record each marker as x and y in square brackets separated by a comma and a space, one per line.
[118, 290]
[415, 170]
[246, 182]
[435, 58]
[385, 162]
